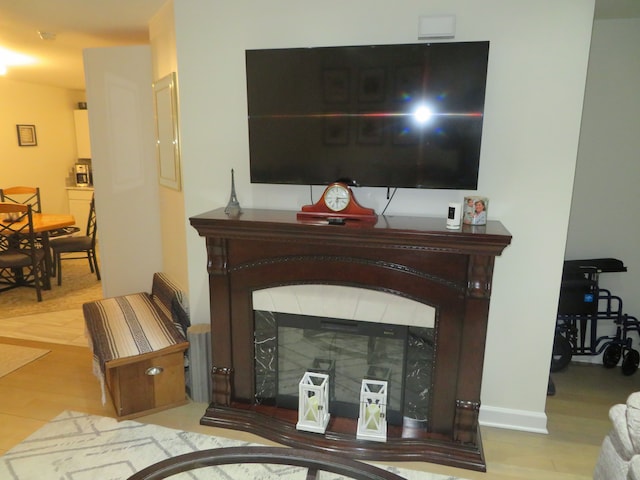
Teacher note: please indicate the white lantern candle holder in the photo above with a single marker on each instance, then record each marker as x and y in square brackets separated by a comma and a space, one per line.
[313, 402]
[372, 422]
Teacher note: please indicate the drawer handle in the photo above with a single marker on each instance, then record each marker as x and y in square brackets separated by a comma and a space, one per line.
[152, 371]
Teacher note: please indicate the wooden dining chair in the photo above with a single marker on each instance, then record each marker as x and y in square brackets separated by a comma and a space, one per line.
[22, 195]
[21, 259]
[85, 244]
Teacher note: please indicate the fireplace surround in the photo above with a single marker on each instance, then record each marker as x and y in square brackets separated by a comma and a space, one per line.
[412, 257]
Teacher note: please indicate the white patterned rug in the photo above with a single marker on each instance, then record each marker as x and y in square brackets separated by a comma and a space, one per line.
[77, 446]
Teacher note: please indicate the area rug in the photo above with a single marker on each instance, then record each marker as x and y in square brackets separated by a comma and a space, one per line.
[12, 357]
[77, 446]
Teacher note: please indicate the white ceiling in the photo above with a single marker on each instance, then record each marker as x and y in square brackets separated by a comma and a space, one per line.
[80, 24]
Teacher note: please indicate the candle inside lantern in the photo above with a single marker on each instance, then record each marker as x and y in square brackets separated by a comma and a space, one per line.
[372, 416]
[312, 408]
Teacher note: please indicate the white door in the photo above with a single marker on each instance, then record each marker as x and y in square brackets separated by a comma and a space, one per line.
[121, 120]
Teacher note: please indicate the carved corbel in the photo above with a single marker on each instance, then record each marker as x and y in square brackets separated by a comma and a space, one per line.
[479, 276]
[216, 256]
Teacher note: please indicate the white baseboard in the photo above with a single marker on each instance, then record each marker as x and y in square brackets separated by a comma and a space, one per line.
[523, 420]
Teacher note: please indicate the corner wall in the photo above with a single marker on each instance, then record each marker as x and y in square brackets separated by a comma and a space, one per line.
[606, 198]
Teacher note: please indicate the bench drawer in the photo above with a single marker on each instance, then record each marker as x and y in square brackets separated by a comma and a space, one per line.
[144, 384]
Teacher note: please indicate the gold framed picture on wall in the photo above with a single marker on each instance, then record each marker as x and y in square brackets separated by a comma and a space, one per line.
[167, 131]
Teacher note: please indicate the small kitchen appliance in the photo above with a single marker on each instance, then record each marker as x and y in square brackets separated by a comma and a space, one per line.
[83, 172]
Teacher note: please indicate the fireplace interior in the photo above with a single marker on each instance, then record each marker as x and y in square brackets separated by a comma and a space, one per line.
[288, 345]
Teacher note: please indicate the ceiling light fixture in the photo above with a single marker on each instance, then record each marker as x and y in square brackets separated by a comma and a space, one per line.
[10, 58]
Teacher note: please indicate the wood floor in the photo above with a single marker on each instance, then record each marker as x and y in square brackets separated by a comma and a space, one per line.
[62, 380]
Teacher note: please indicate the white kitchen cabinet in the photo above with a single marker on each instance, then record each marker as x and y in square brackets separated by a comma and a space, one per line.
[79, 204]
[83, 142]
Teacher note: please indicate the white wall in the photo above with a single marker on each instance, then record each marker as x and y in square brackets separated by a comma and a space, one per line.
[537, 69]
[604, 211]
[172, 216]
[48, 164]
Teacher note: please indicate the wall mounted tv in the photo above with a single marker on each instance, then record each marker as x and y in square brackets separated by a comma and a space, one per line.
[383, 116]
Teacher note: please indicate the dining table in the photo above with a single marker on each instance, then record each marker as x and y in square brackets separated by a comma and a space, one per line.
[43, 224]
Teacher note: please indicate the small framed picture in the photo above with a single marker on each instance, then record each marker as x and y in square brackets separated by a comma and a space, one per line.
[335, 85]
[336, 129]
[372, 85]
[27, 135]
[475, 210]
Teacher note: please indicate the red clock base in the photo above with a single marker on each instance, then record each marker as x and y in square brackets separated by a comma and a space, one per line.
[336, 217]
[348, 208]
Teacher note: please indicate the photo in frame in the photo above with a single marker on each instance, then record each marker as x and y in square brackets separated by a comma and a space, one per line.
[475, 210]
[27, 135]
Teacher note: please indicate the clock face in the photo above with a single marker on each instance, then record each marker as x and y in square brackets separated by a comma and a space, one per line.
[337, 197]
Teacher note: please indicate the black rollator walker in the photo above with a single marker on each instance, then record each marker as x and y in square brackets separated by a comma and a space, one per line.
[583, 305]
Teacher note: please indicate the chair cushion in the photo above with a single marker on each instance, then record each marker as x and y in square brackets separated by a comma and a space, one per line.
[18, 258]
[71, 244]
[61, 232]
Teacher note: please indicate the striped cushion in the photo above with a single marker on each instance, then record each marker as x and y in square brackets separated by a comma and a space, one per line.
[169, 298]
[126, 326]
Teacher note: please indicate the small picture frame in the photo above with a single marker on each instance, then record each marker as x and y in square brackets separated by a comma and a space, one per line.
[335, 85]
[336, 129]
[370, 129]
[371, 85]
[475, 210]
[27, 135]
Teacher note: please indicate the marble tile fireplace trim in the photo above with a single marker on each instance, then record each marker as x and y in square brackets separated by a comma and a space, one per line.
[348, 303]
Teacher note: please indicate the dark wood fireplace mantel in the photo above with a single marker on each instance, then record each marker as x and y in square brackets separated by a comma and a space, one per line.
[414, 257]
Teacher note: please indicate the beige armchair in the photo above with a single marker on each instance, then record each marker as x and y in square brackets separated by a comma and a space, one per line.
[620, 453]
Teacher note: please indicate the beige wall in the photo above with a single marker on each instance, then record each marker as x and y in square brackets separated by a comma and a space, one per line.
[48, 164]
[537, 70]
[174, 223]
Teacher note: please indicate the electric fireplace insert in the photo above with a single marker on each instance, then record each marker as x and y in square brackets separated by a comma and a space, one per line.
[288, 345]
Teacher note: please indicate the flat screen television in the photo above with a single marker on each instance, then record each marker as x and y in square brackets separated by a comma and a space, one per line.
[405, 115]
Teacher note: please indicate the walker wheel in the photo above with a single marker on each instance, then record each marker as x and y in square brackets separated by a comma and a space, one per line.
[630, 362]
[611, 355]
[562, 353]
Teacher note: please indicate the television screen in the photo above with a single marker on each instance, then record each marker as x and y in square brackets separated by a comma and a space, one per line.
[388, 115]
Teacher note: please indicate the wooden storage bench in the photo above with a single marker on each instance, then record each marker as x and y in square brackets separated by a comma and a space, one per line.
[139, 346]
